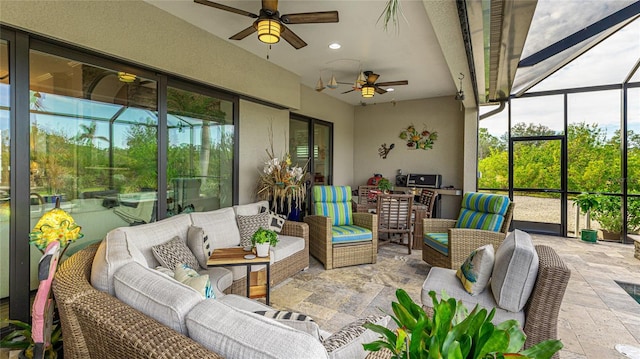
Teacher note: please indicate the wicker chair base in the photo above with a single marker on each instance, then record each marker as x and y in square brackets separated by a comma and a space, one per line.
[350, 255]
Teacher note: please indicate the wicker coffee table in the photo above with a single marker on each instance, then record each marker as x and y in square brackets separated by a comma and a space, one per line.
[236, 257]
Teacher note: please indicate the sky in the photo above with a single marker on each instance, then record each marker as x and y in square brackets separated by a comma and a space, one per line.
[610, 62]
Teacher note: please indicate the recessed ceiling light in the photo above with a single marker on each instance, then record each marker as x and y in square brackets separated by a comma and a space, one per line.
[390, 89]
[334, 46]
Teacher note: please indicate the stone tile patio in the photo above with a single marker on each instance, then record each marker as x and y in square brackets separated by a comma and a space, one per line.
[596, 313]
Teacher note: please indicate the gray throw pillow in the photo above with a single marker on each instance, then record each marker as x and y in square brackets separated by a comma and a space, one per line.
[515, 271]
[174, 252]
[248, 225]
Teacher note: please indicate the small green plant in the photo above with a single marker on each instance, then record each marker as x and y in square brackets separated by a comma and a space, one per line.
[265, 236]
[586, 202]
[384, 185]
[453, 333]
[20, 338]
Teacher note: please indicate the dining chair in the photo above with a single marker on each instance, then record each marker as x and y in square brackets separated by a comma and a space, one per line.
[394, 216]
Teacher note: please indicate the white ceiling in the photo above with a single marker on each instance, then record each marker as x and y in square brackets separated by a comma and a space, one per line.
[411, 54]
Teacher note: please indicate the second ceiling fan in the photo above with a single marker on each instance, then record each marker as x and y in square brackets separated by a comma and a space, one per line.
[270, 25]
[367, 84]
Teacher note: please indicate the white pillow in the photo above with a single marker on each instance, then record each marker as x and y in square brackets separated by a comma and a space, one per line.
[187, 275]
[155, 295]
[199, 244]
[515, 271]
[476, 270]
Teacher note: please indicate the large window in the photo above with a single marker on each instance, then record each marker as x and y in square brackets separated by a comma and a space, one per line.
[5, 184]
[200, 154]
[116, 144]
[93, 145]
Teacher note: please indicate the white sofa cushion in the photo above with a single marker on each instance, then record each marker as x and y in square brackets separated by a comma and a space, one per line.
[156, 295]
[220, 226]
[250, 208]
[286, 247]
[440, 279]
[126, 244]
[515, 271]
[145, 236]
[238, 334]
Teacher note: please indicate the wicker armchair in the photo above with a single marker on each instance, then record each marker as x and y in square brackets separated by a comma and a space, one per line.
[329, 241]
[542, 308]
[459, 242]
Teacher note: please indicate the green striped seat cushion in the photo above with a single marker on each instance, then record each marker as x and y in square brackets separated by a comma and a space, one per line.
[333, 202]
[482, 211]
[350, 233]
[479, 220]
[486, 202]
[437, 241]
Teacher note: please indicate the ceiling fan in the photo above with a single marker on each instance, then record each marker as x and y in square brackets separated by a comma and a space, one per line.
[367, 84]
[270, 25]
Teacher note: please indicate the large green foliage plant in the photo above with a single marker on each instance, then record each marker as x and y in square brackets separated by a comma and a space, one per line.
[453, 333]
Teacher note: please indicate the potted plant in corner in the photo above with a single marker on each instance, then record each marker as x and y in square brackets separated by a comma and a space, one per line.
[262, 240]
[453, 332]
[587, 202]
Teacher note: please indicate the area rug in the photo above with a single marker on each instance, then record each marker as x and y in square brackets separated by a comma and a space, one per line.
[334, 298]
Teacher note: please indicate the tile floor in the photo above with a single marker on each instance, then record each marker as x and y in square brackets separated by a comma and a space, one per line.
[596, 314]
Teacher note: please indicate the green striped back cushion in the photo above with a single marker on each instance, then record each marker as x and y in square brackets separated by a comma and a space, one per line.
[486, 202]
[479, 220]
[333, 202]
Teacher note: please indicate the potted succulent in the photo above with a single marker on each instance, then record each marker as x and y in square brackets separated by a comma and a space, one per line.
[262, 240]
[453, 332]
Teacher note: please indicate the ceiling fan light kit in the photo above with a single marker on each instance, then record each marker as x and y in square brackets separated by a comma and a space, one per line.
[368, 91]
[270, 25]
[269, 31]
[333, 84]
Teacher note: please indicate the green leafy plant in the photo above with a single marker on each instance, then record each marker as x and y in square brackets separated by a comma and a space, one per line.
[453, 333]
[586, 202]
[384, 185]
[265, 236]
[20, 338]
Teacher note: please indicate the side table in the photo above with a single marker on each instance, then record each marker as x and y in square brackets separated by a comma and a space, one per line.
[235, 257]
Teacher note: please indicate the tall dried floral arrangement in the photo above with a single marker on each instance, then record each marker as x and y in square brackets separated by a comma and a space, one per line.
[280, 182]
